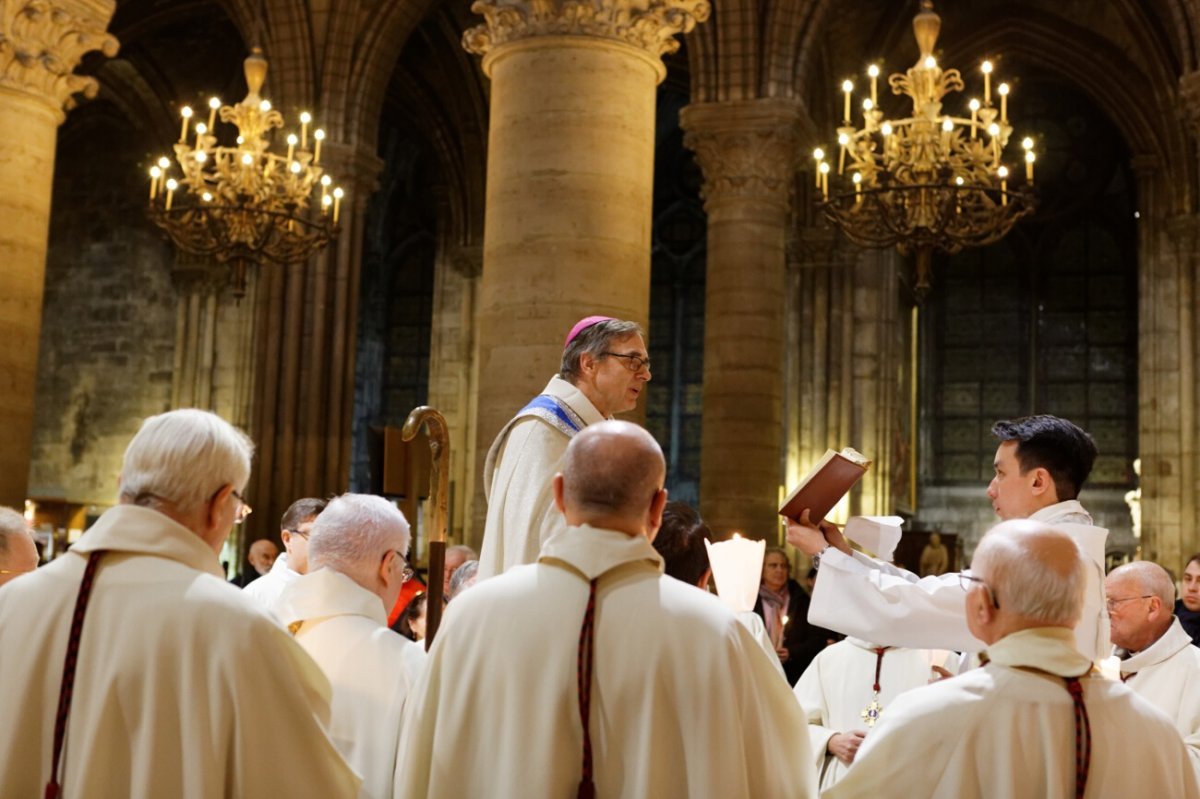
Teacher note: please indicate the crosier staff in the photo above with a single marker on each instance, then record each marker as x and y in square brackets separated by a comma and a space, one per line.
[439, 445]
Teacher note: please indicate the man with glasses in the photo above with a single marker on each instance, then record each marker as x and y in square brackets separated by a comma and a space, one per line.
[132, 660]
[18, 553]
[338, 613]
[294, 528]
[1036, 720]
[604, 370]
[1040, 465]
[1158, 660]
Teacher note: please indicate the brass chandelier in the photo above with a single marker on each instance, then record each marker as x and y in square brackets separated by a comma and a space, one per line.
[238, 202]
[929, 181]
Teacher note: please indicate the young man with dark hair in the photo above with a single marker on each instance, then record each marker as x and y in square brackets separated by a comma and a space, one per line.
[294, 528]
[1040, 466]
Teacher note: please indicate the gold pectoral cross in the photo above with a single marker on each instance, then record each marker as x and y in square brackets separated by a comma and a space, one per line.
[870, 713]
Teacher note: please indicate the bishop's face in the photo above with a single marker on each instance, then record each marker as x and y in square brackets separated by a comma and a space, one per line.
[614, 381]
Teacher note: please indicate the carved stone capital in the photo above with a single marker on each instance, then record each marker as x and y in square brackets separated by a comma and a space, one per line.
[41, 42]
[746, 149]
[650, 25]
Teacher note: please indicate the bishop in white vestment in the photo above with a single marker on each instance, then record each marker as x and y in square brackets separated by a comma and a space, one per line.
[677, 698]
[604, 369]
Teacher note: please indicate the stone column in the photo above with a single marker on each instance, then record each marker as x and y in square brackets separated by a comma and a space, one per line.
[746, 150]
[569, 179]
[305, 333]
[40, 44]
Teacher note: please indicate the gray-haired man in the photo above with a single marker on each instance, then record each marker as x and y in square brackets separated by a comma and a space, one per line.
[604, 369]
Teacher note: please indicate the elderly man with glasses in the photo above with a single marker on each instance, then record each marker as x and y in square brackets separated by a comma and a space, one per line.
[131, 668]
[604, 370]
[1158, 660]
[338, 613]
[294, 528]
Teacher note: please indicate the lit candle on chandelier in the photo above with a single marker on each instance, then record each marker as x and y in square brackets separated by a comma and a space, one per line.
[843, 143]
[857, 178]
[873, 72]
[818, 156]
[186, 113]
[987, 82]
[155, 174]
[164, 164]
[947, 129]
[201, 129]
[974, 106]
[1029, 159]
[1002, 172]
[172, 184]
[994, 132]
[292, 142]
[867, 107]
[1003, 89]
[213, 104]
[318, 137]
[337, 203]
[824, 170]
[847, 87]
[305, 121]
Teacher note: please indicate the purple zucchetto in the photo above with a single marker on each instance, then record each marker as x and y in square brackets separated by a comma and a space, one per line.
[582, 325]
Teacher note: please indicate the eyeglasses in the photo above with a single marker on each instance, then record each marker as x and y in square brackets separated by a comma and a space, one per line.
[300, 533]
[244, 508]
[408, 573]
[1111, 604]
[966, 578]
[634, 363]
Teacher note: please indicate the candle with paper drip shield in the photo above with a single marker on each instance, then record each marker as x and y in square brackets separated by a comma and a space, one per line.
[737, 570]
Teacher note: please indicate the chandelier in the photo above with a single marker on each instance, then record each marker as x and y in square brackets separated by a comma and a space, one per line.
[236, 201]
[929, 181]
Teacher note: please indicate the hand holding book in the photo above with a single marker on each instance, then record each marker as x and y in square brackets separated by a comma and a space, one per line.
[812, 539]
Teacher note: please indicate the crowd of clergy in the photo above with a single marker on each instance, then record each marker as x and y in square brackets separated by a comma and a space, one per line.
[582, 652]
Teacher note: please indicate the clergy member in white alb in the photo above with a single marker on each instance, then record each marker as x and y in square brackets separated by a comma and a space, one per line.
[604, 368]
[182, 687]
[294, 527]
[1037, 720]
[1041, 464]
[847, 688]
[675, 697]
[1158, 660]
[338, 613]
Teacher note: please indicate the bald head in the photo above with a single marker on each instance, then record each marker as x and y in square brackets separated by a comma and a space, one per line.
[612, 471]
[1036, 573]
[1141, 598]
[262, 555]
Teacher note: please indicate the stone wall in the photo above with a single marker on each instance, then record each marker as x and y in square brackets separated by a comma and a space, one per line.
[108, 329]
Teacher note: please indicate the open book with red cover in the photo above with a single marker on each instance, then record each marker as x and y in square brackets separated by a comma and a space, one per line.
[824, 486]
